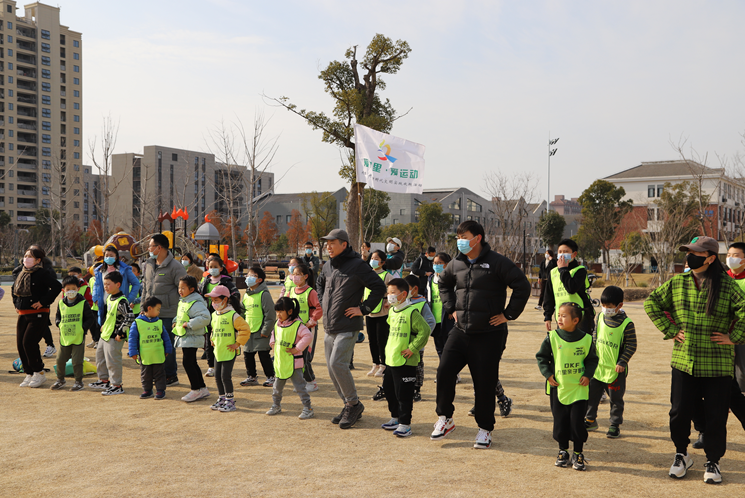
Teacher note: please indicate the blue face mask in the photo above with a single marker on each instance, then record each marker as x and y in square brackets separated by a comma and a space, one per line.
[250, 281]
[214, 271]
[439, 268]
[464, 246]
[309, 252]
[290, 269]
[374, 263]
[152, 256]
[109, 260]
[686, 270]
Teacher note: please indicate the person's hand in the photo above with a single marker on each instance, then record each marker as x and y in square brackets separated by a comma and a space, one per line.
[132, 306]
[406, 353]
[720, 338]
[186, 325]
[620, 369]
[36, 306]
[584, 381]
[233, 347]
[562, 263]
[293, 351]
[271, 345]
[497, 320]
[429, 273]
[212, 343]
[548, 325]
[118, 339]
[680, 336]
[552, 381]
[454, 316]
[352, 312]
[135, 357]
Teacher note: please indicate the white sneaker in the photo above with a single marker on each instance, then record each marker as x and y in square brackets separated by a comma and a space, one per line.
[443, 427]
[381, 371]
[26, 381]
[37, 379]
[191, 396]
[483, 439]
[203, 393]
[49, 352]
[210, 372]
[311, 387]
[372, 370]
[712, 474]
[681, 464]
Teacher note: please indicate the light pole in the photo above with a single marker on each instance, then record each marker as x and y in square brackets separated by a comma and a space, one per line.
[551, 152]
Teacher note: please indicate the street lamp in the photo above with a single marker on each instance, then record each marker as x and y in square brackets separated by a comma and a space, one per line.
[551, 152]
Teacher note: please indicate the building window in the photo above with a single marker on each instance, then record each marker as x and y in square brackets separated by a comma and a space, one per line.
[76, 81]
[45, 47]
[76, 131]
[46, 164]
[45, 203]
[76, 118]
[76, 69]
[174, 157]
[288, 218]
[279, 219]
[659, 190]
[46, 125]
[650, 214]
[454, 205]
[75, 43]
[76, 205]
[47, 139]
[76, 56]
[76, 155]
[10, 52]
[76, 143]
[10, 78]
[46, 151]
[472, 206]
[650, 190]
[47, 178]
[46, 61]
[46, 100]
[87, 171]
[76, 106]
[45, 34]
[47, 113]
[76, 167]
[10, 39]
[76, 93]
[46, 87]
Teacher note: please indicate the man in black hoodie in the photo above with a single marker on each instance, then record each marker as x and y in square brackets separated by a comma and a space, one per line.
[473, 287]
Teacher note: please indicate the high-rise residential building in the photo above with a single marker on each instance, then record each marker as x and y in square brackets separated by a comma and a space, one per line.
[41, 115]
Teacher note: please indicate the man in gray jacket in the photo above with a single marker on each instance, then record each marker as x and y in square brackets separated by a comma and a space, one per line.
[160, 277]
[341, 285]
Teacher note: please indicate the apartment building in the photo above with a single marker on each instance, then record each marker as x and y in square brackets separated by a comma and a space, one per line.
[40, 114]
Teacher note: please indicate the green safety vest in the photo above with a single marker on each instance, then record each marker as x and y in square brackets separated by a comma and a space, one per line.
[304, 312]
[289, 285]
[223, 335]
[399, 337]
[108, 326]
[436, 301]
[136, 309]
[569, 367]
[71, 324]
[210, 288]
[91, 283]
[608, 347]
[561, 295]
[285, 337]
[254, 314]
[152, 350]
[182, 315]
[367, 293]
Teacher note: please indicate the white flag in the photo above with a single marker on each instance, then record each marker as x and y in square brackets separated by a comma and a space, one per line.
[388, 163]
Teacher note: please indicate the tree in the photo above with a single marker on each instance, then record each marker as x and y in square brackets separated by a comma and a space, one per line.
[550, 228]
[633, 247]
[297, 232]
[4, 220]
[109, 185]
[321, 210]
[95, 233]
[589, 248]
[268, 232]
[408, 234]
[603, 208]
[356, 100]
[374, 209]
[281, 246]
[433, 224]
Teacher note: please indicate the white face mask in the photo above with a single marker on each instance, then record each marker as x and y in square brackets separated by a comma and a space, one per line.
[734, 263]
[391, 247]
[609, 312]
[566, 257]
[393, 299]
[71, 294]
[218, 306]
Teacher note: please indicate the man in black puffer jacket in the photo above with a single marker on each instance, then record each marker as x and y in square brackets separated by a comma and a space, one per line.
[476, 291]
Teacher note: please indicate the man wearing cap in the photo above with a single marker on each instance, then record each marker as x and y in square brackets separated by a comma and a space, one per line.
[703, 311]
[395, 259]
[340, 286]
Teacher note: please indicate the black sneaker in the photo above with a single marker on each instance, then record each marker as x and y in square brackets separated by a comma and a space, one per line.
[505, 407]
[160, 395]
[563, 459]
[146, 395]
[113, 390]
[338, 418]
[379, 395]
[351, 366]
[100, 384]
[204, 355]
[591, 426]
[417, 396]
[472, 411]
[613, 432]
[699, 443]
[578, 461]
[269, 382]
[78, 386]
[172, 381]
[351, 416]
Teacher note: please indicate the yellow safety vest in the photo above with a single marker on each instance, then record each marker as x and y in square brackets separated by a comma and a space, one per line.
[71, 324]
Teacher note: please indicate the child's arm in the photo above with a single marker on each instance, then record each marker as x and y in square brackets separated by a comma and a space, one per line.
[573, 284]
[89, 318]
[429, 317]
[167, 340]
[122, 323]
[304, 337]
[316, 312]
[134, 340]
[545, 359]
[199, 315]
[58, 316]
[242, 332]
[628, 348]
[420, 332]
[590, 363]
[270, 316]
[271, 340]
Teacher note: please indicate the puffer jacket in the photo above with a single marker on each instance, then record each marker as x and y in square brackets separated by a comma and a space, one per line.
[44, 289]
[225, 280]
[161, 281]
[478, 291]
[199, 318]
[130, 286]
[341, 285]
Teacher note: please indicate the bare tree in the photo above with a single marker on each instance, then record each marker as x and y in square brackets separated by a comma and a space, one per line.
[102, 162]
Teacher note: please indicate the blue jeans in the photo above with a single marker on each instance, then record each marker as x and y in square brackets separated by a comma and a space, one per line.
[171, 366]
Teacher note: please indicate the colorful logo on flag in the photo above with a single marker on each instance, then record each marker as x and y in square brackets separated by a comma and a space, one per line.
[385, 156]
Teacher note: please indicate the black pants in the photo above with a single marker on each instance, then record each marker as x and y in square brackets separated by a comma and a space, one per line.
[29, 331]
[482, 353]
[209, 349]
[377, 336]
[224, 376]
[398, 384]
[569, 422]
[47, 335]
[308, 355]
[736, 405]
[192, 368]
[171, 365]
[150, 374]
[684, 391]
[542, 286]
[266, 363]
[615, 391]
[420, 371]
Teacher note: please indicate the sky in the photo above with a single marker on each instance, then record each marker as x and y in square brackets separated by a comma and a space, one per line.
[487, 81]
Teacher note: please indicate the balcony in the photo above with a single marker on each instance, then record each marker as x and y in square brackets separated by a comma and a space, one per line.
[26, 125]
[26, 32]
[29, 138]
[26, 177]
[26, 59]
[26, 205]
[28, 152]
[63, 68]
[26, 85]
[24, 165]
[29, 112]
[27, 191]
[31, 219]
[27, 72]
[26, 98]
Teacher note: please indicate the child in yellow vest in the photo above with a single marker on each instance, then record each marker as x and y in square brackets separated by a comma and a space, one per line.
[260, 316]
[615, 344]
[288, 283]
[74, 318]
[310, 313]
[408, 335]
[229, 332]
[289, 339]
[422, 305]
[568, 282]
[113, 334]
[567, 360]
[149, 344]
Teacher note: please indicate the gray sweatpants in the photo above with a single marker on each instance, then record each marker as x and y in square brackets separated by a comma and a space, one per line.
[339, 349]
[615, 392]
[76, 352]
[109, 360]
[298, 381]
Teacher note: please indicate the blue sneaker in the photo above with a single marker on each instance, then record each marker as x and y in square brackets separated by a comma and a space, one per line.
[391, 425]
[403, 431]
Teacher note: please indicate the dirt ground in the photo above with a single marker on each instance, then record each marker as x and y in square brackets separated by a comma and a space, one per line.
[83, 444]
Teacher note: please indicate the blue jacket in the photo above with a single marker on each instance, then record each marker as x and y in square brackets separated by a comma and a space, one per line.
[130, 288]
[134, 337]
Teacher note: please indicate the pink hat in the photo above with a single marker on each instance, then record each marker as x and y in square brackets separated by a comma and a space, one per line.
[219, 291]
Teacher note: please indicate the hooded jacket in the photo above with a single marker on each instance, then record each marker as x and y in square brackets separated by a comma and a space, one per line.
[199, 318]
[161, 281]
[478, 291]
[130, 286]
[341, 285]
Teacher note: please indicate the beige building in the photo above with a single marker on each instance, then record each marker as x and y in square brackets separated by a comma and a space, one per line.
[41, 115]
[162, 178]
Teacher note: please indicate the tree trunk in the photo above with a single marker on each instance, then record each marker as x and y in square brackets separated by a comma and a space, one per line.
[354, 230]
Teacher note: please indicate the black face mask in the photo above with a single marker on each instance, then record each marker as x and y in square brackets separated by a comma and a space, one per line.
[695, 262]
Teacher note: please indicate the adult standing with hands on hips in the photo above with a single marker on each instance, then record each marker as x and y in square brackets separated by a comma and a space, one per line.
[703, 311]
[473, 287]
